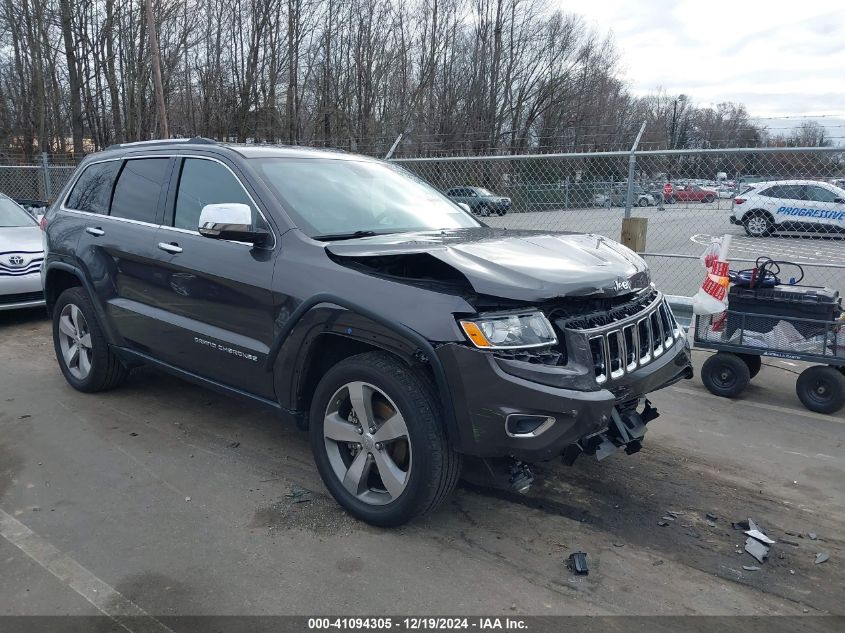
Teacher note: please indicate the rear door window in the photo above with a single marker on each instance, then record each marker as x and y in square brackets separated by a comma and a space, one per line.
[92, 191]
[138, 189]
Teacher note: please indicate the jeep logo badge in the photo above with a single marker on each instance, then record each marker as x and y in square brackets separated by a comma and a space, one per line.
[622, 284]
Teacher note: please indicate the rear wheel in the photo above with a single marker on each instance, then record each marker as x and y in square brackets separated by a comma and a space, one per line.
[758, 224]
[753, 362]
[643, 202]
[378, 440]
[821, 389]
[501, 212]
[725, 375]
[81, 348]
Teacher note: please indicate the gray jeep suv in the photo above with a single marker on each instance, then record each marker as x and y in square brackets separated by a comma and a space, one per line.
[359, 303]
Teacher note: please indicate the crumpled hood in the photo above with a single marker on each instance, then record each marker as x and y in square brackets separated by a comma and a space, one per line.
[515, 264]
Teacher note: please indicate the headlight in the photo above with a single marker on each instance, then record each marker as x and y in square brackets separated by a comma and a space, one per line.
[510, 331]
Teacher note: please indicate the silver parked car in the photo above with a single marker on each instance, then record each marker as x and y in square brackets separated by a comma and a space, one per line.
[21, 254]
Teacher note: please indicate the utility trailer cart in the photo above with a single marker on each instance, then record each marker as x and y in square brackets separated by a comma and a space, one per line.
[793, 322]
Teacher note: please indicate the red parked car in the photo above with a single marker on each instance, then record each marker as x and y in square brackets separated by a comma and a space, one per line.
[687, 193]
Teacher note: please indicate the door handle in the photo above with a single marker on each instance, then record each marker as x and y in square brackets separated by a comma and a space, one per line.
[170, 247]
[95, 231]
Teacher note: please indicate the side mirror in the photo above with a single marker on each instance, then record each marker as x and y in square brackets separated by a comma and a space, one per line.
[230, 221]
[839, 200]
[465, 207]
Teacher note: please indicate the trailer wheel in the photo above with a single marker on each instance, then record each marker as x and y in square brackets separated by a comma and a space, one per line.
[725, 375]
[754, 363]
[821, 389]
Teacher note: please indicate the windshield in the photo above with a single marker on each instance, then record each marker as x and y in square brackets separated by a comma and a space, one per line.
[326, 196]
[13, 215]
[484, 192]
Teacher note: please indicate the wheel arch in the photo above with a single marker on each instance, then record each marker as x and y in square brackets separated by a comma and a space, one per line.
[759, 211]
[58, 277]
[326, 329]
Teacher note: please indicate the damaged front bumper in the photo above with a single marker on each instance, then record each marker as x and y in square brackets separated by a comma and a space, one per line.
[536, 412]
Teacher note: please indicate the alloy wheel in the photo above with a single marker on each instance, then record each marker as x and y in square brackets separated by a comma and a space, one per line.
[758, 225]
[75, 341]
[367, 443]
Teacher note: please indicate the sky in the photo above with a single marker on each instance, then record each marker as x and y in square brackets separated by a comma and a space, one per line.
[778, 58]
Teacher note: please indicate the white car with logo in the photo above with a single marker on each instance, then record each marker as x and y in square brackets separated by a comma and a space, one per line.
[790, 205]
[21, 254]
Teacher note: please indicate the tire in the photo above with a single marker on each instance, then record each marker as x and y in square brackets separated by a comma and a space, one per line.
[671, 200]
[725, 375]
[643, 202]
[754, 362]
[758, 224]
[501, 213]
[484, 211]
[425, 467]
[709, 199]
[96, 367]
[821, 389]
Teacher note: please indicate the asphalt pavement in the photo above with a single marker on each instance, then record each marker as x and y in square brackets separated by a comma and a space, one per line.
[162, 498]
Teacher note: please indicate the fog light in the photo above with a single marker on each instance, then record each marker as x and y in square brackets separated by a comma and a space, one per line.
[522, 425]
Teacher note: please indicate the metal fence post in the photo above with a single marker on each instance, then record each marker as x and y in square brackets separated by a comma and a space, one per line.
[45, 166]
[632, 166]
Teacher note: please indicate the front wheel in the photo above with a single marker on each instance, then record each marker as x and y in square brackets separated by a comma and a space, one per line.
[484, 211]
[378, 440]
[725, 375]
[643, 202]
[821, 389]
[501, 212]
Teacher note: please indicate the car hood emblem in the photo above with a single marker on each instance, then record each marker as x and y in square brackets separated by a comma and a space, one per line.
[16, 260]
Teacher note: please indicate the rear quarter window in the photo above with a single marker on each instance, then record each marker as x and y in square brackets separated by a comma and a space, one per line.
[92, 190]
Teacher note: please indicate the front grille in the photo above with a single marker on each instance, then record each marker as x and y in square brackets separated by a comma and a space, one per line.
[625, 342]
[21, 297]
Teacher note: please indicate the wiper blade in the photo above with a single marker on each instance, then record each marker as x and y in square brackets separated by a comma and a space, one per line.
[344, 236]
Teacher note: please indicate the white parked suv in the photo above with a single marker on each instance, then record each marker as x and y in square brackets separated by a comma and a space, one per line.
[790, 205]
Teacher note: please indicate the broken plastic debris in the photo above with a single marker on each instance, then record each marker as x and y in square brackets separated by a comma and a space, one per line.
[300, 495]
[760, 537]
[711, 523]
[740, 525]
[812, 536]
[675, 513]
[663, 523]
[668, 518]
[750, 568]
[821, 557]
[711, 516]
[753, 526]
[756, 549]
[577, 562]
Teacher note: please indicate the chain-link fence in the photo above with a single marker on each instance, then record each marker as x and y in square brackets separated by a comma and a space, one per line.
[784, 203]
[34, 184]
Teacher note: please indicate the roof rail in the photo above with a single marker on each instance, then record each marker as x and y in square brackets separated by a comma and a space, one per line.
[196, 140]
